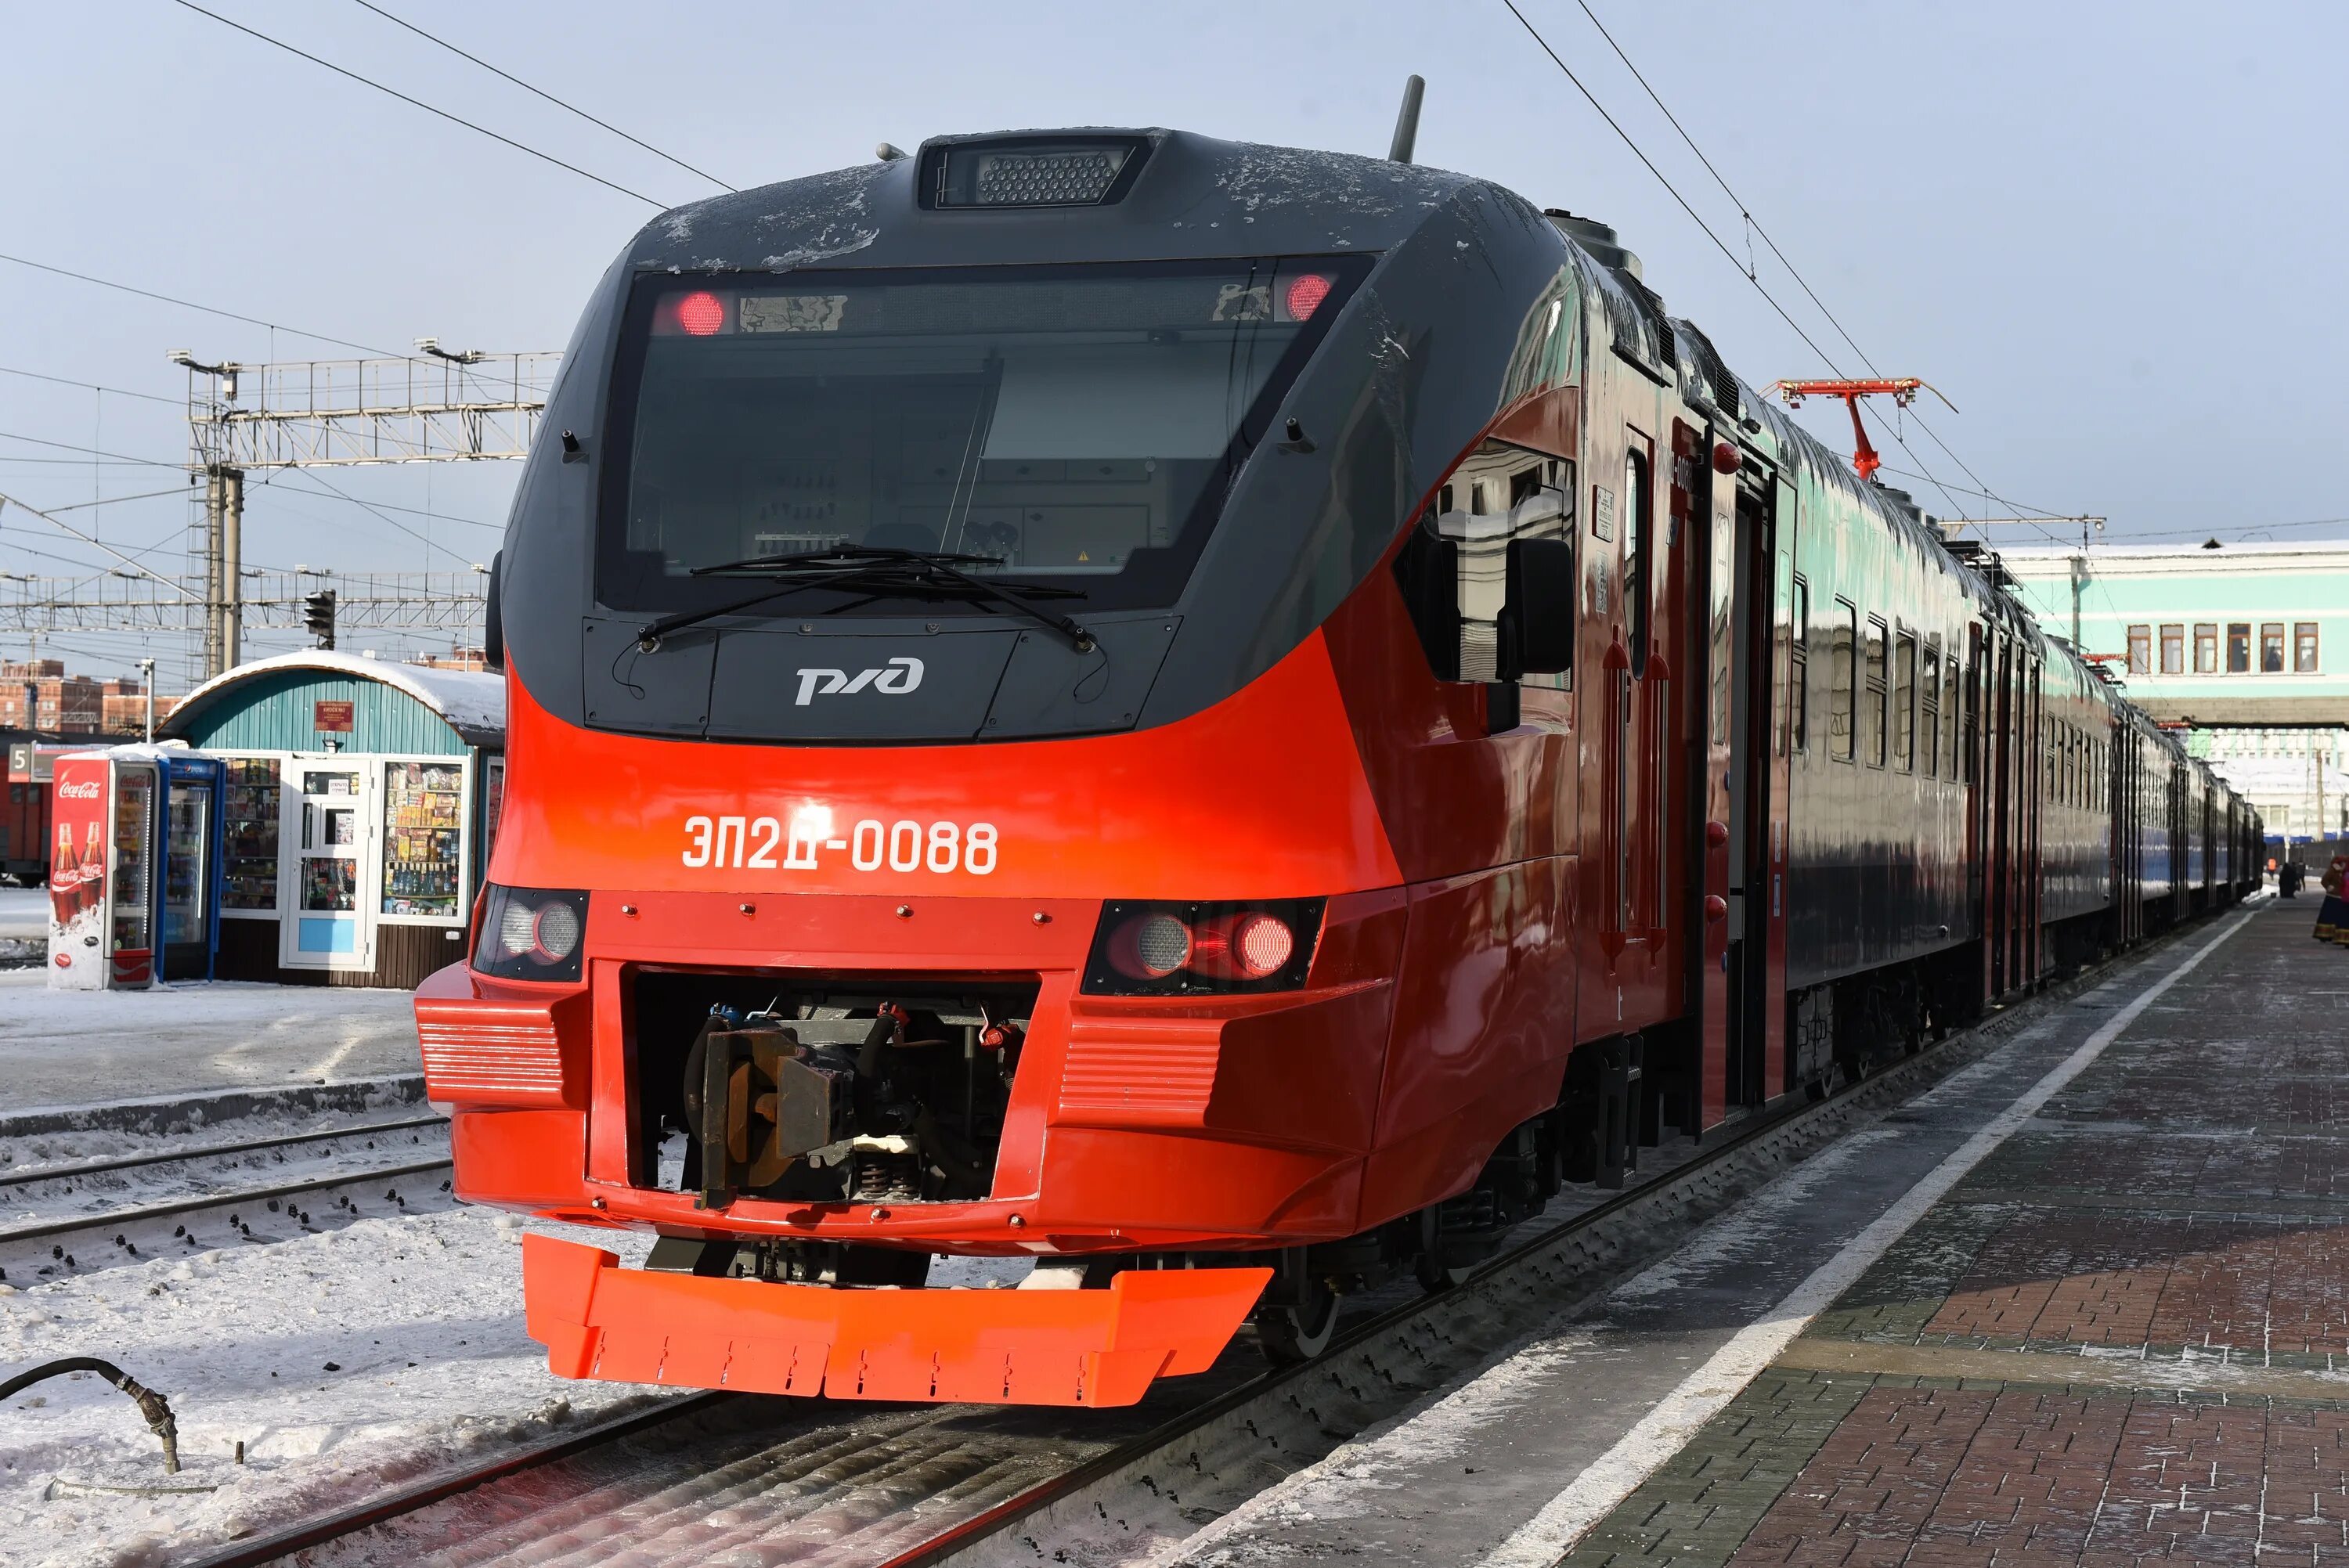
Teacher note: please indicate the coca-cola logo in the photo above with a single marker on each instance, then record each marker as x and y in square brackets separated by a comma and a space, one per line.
[64, 961]
[86, 791]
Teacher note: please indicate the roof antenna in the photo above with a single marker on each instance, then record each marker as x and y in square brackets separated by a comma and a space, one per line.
[1406, 134]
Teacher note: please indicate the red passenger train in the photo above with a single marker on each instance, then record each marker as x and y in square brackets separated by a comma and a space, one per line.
[1224, 719]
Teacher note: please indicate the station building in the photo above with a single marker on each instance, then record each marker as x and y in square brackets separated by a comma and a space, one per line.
[2247, 643]
[361, 803]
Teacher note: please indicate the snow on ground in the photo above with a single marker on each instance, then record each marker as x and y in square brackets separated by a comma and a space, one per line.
[344, 1362]
[25, 912]
[79, 1048]
[43, 1179]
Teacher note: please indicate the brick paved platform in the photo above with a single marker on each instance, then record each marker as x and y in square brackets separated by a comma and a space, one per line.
[2124, 1336]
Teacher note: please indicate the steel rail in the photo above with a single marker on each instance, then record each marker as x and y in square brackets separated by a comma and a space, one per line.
[269, 1548]
[49, 1229]
[208, 1151]
[960, 1536]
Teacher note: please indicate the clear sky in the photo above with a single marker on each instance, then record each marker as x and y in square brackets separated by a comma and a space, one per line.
[2111, 234]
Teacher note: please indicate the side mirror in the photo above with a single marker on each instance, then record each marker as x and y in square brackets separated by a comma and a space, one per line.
[1537, 622]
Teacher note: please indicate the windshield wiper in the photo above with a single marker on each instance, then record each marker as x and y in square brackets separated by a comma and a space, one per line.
[878, 572]
[873, 566]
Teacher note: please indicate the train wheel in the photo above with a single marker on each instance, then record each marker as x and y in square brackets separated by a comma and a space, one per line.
[1294, 1334]
[1435, 1275]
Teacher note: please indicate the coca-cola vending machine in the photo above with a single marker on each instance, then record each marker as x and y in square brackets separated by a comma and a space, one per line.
[102, 873]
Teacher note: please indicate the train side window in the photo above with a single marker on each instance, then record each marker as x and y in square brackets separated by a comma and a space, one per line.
[2304, 647]
[1952, 706]
[1873, 714]
[1904, 703]
[2271, 648]
[2173, 650]
[1636, 499]
[2239, 647]
[1452, 572]
[1842, 651]
[1929, 733]
[1798, 675]
[2206, 648]
[2140, 650]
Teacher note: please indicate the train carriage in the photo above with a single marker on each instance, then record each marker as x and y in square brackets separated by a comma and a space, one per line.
[1221, 718]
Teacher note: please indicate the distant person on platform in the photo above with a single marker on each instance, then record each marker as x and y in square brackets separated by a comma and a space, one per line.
[2288, 878]
[2333, 918]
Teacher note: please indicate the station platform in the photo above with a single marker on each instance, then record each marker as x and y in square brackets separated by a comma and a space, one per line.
[2085, 1301]
[62, 1049]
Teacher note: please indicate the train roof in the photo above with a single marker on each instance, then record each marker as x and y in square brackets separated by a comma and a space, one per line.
[1191, 196]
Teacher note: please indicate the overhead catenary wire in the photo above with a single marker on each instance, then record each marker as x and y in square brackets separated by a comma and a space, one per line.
[338, 493]
[420, 103]
[540, 92]
[1743, 268]
[90, 386]
[1746, 213]
[1695, 216]
[93, 451]
[191, 304]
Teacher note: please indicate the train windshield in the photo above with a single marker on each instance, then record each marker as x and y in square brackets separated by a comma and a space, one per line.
[1075, 425]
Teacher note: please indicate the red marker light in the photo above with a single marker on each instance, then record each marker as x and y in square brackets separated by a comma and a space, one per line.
[1263, 945]
[701, 315]
[1306, 292]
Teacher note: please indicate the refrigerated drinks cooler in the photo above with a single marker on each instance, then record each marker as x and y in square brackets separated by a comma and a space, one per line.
[135, 871]
[188, 902]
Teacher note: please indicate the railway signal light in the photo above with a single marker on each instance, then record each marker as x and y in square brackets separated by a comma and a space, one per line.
[318, 617]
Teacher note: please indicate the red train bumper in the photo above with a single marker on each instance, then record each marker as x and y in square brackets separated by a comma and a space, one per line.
[1099, 1348]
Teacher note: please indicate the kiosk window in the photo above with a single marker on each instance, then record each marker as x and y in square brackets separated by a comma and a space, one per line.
[423, 821]
[249, 815]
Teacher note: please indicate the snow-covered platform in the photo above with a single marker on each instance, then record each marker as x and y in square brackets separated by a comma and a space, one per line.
[60, 1048]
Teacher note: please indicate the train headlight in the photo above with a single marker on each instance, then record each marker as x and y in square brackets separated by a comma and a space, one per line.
[1159, 949]
[531, 933]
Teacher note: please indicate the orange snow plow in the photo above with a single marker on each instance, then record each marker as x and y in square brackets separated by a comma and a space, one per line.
[1100, 1347]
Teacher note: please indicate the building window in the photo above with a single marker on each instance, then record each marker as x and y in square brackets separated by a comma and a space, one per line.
[1904, 703]
[2304, 647]
[2271, 648]
[1841, 649]
[2206, 648]
[2173, 650]
[2239, 647]
[1875, 715]
[2140, 650]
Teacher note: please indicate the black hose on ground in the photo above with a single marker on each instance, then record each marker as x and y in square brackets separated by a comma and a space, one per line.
[151, 1405]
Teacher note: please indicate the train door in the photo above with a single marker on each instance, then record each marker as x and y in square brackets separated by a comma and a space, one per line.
[2031, 867]
[1708, 905]
[1977, 782]
[2000, 747]
[1754, 756]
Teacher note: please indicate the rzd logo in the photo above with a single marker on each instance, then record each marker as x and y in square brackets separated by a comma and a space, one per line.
[897, 677]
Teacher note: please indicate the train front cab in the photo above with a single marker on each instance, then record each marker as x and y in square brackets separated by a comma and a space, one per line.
[1012, 972]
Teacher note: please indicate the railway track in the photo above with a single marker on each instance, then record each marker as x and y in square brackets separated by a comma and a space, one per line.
[351, 1165]
[915, 1487]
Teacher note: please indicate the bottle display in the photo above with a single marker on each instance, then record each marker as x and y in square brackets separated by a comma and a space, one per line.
[250, 815]
[423, 821]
